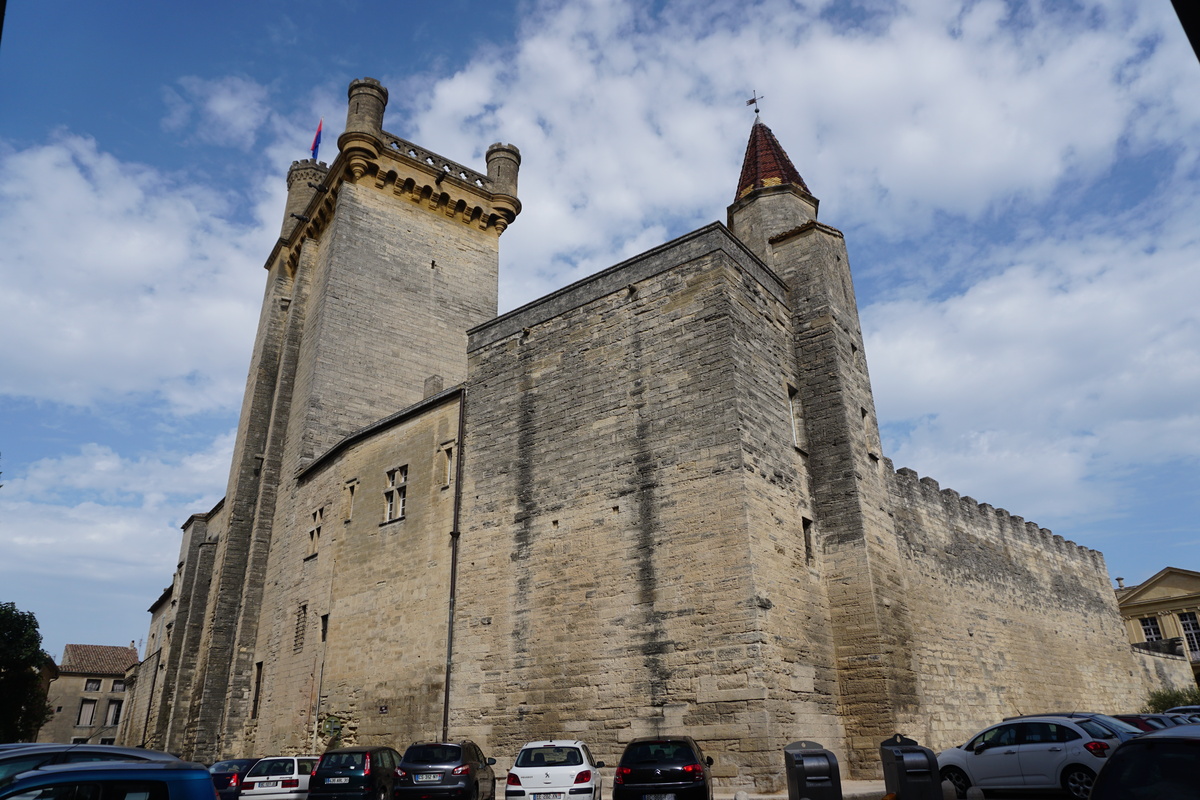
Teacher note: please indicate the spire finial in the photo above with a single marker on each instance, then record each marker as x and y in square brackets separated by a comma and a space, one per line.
[753, 101]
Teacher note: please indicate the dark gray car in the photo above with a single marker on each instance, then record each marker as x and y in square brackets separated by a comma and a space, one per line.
[445, 771]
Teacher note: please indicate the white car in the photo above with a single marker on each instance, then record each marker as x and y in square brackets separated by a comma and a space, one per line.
[279, 778]
[557, 769]
[1047, 752]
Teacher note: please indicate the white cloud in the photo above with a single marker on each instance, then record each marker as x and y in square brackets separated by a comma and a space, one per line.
[121, 280]
[227, 111]
[1074, 364]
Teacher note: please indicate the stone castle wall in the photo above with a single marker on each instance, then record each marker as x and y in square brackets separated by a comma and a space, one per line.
[354, 616]
[610, 587]
[1014, 619]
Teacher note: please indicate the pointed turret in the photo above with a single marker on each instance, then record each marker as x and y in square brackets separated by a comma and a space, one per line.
[766, 164]
[771, 196]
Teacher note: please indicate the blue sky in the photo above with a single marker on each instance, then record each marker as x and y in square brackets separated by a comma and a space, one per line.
[1018, 183]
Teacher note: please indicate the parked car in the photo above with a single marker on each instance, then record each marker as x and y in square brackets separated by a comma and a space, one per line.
[554, 770]
[227, 776]
[1159, 765]
[1183, 710]
[445, 770]
[348, 773]
[279, 778]
[1045, 752]
[1123, 730]
[660, 767]
[112, 780]
[1142, 722]
[14, 760]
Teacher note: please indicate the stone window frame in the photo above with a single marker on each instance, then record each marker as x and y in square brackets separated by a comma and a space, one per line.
[112, 715]
[314, 532]
[395, 494]
[87, 704]
[448, 452]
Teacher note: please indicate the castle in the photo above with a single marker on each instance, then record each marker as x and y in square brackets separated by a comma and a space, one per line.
[651, 501]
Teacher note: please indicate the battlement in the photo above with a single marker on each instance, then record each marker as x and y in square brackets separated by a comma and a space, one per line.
[908, 483]
[440, 163]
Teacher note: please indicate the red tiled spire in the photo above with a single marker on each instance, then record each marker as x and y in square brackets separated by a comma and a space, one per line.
[766, 164]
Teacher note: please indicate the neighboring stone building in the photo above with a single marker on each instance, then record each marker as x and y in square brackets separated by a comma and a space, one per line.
[654, 500]
[1162, 614]
[88, 697]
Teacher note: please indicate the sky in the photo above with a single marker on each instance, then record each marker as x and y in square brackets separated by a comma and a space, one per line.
[1018, 183]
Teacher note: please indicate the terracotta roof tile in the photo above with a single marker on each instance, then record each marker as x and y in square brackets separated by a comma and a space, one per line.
[766, 164]
[97, 659]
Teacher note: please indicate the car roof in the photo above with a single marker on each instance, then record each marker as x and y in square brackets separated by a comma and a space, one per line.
[52, 747]
[102, 769]
[1189, 731]
[554, 743]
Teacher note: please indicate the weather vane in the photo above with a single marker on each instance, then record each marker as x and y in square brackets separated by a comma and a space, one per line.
[753, 101]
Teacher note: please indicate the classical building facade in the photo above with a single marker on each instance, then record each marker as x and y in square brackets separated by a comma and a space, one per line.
[1162, 613]
[652, 501]
[88, 698]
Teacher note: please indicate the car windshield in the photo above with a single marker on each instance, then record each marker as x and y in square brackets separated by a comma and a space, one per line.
[433, 754]
[1112, 723]
[1095, 729]
[549, 757]
[271, 766]
[659, 753]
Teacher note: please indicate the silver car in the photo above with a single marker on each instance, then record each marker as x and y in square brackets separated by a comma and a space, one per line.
[1031, 753]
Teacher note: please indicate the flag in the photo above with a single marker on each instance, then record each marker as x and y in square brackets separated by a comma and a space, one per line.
[316, 145]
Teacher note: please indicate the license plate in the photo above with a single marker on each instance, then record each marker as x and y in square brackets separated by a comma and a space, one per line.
[267, 784]
[337, 780]
[426, 777]
[548, 796]
[658, 797]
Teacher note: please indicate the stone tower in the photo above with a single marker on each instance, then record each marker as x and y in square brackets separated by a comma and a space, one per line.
[776, 217]
[385, 259]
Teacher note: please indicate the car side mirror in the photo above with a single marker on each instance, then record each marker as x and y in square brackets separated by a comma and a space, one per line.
[979, 748]
[599, 764]
[708, 760]
[491, 761]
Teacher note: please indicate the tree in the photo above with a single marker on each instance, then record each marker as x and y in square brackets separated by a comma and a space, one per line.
[23, 708]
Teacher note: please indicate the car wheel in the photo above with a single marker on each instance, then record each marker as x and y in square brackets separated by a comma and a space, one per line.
[958, 779]
[1078, 782]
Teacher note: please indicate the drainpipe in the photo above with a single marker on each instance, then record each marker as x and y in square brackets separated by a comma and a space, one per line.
[454, 535]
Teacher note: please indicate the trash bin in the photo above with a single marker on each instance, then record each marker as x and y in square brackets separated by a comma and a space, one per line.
[910, 771]
[812, 772]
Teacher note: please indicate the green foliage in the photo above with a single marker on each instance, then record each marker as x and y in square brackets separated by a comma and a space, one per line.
[1162, 699]
[23, 706]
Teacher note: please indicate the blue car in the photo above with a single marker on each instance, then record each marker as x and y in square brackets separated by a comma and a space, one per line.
[112, 780]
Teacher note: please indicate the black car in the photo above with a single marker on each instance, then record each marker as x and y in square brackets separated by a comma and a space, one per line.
[445, 770]
[351, 773]
[227, 776]
[663, 768]
[1155, 766]
[23, 757]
